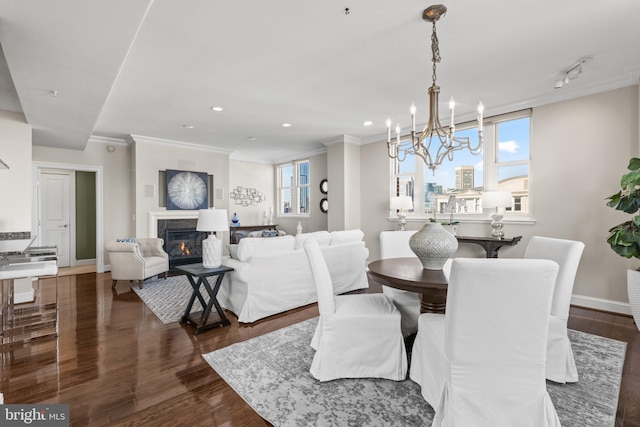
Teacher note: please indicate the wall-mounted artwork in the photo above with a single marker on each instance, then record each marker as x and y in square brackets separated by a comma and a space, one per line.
[246, 196]
[187, 190]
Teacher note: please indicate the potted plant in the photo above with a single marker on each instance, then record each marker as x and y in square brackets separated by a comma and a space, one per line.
[624, 238]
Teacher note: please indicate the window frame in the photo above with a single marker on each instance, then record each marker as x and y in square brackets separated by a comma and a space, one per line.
[296, 188]
[490, 174]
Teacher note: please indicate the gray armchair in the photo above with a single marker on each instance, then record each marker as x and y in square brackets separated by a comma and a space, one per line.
[137, 261]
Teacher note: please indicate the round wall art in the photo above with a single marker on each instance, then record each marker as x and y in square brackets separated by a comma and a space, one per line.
[187, 190]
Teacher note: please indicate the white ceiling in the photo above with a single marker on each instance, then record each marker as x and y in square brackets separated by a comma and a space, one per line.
[145, 67]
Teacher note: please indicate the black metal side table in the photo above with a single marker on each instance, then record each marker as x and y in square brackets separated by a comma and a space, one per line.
[200, 319]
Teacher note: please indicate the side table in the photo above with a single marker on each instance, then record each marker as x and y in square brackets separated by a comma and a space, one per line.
[200, 319]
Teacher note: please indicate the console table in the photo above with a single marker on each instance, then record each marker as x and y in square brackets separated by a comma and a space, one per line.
[490, 244]
[237, 233]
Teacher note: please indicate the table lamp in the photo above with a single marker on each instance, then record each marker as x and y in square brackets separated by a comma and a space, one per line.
[497, 200]
[400, 203]
[212, 221]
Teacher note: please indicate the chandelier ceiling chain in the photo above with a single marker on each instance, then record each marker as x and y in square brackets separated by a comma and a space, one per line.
[444, 139]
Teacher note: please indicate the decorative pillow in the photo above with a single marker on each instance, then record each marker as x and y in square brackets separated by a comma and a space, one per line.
[269, 233]
[127, 240]
[233, 250]
[346, 236]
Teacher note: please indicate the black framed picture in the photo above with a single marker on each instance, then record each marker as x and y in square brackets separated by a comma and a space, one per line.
[187, 190]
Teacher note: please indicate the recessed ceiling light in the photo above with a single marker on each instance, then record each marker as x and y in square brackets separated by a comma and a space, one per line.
[187, 126]
[286, 125]
[368, 123]
[251, 138]
[218, 109]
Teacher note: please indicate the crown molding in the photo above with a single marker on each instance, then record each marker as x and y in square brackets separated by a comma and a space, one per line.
[134, 138]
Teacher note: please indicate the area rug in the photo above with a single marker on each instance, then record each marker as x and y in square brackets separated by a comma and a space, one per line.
[271, 373]
[167, 299]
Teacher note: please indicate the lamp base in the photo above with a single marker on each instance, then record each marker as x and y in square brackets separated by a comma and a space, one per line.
[496, 225]
[211, 252]
[402, 221]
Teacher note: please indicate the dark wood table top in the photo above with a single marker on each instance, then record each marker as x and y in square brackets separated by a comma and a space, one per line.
[198, 270]
[407, 274]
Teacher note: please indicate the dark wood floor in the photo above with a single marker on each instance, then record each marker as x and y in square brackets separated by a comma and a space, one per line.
[115, 363]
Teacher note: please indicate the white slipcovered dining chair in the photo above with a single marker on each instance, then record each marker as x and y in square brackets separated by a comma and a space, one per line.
[561, 366]
[137, 260]
[482, 363]
[358, 336]
[395, 244]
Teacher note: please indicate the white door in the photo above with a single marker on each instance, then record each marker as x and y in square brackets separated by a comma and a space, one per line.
[55, 222]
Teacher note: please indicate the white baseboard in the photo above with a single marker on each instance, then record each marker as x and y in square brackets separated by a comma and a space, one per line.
[85, 261]
[601, 304]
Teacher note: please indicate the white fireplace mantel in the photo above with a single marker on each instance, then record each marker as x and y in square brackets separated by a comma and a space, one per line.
[177, 214]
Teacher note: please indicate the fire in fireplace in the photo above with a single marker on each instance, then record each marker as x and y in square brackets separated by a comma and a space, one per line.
[183, 245]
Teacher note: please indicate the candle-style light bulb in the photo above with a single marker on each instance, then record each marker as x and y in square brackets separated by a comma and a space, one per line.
[413, 116]
[388, 130]
[480, 112]
[452, 106]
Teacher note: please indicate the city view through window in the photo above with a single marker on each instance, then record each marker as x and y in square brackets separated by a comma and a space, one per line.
[457, 185]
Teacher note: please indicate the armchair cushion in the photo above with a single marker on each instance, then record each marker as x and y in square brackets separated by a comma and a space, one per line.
[138, 260]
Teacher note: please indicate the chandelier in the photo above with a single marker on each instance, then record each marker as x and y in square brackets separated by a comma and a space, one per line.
[443, 139]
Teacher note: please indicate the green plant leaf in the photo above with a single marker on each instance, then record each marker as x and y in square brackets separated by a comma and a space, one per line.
[634, 164]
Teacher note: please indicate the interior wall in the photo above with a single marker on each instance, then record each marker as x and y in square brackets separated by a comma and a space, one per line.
[15, 182]
[579, 150]
[260, 176]
[116, 180]
[152, 156]
[316, 220]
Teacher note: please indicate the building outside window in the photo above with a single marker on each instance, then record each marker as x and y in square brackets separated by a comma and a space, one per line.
[294, 188]
[456, 187]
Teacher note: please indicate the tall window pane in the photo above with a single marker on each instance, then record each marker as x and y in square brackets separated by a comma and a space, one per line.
[456, 186]
[286, 200]
[293, 188]
[513, 140]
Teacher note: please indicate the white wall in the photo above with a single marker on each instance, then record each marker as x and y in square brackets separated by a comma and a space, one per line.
[15, 182]
[116, 169]
[152, 156]
[316, 220]
[579, 150]
[260, 176]
[343, 169]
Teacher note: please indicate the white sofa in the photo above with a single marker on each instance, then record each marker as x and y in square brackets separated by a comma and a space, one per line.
[272, 275]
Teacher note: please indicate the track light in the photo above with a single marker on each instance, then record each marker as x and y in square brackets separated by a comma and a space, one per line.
[571, 73]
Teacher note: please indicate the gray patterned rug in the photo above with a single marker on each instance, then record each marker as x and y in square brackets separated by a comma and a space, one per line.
[271, 373]
[167, 298]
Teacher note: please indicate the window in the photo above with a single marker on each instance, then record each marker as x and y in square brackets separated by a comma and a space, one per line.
[456, 187]
[293, 188]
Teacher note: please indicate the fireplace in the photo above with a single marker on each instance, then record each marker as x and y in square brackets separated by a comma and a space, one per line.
[183, 245]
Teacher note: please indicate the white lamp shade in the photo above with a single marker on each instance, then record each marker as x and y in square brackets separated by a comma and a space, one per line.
[210, 220]
[496, 199]
[401, 202]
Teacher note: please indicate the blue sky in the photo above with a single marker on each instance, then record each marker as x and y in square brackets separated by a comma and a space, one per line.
[513, 144]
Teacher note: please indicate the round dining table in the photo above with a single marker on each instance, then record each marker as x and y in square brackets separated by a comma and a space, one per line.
[409, 275]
